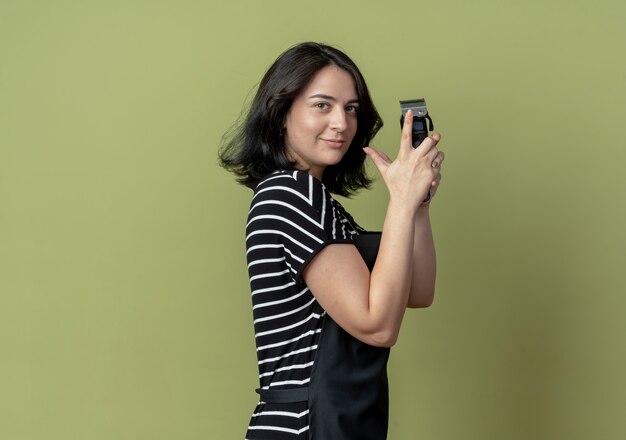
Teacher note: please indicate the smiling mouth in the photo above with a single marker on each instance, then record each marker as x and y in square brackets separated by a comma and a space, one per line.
[335, 142]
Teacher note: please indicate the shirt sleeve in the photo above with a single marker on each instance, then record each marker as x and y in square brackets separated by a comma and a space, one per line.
[292, 217]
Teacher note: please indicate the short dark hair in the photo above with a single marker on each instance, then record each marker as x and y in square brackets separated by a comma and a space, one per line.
[255, 147]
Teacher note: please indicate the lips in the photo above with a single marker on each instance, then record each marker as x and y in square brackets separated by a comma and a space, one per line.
[335, 142]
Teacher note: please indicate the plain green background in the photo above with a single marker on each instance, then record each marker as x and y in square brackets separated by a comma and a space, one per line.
[124, 304]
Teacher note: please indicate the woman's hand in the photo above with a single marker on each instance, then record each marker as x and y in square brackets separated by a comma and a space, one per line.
[415, 172]
[437, 163]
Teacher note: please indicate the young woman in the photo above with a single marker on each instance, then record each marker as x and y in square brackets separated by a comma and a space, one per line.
[323, 321]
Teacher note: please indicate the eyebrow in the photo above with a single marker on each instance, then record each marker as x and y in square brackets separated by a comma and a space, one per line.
[331, 98]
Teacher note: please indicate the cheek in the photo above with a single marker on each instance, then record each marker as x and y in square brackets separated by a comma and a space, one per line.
[310, 124]
[300, 125]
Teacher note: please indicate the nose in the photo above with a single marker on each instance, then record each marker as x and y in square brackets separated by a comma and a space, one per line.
[338, 119]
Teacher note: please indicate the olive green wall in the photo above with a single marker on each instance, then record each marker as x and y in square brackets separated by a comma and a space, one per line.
[124, 306]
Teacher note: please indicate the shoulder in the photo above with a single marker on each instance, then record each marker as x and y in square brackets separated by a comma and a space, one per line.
[294, 179]
[291, 197]
[293, 186]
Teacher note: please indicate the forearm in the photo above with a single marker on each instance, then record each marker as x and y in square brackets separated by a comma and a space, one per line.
[424, 262]
[390, 280]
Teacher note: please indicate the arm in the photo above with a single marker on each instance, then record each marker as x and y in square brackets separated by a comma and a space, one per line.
[371, 306]
[424, 258]
[424, 262]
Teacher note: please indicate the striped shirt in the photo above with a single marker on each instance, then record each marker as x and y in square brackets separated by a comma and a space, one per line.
[291, 218]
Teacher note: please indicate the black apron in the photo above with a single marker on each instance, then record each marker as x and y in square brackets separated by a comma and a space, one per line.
[348, 394]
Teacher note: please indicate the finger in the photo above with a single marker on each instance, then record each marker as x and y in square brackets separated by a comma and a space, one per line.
[384, 156]
[431, 157]
[429, 142]
[426, 146]
[407, 132]
[373, 152]
[442, 155]
[438, 160]
[381, 161]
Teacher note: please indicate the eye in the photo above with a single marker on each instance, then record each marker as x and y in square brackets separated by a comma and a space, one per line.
[352, 109]
[322, 105]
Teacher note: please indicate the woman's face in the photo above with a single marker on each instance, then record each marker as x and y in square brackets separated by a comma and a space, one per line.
[322, 121]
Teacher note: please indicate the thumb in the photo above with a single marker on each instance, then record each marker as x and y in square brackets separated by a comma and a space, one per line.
[381, 161]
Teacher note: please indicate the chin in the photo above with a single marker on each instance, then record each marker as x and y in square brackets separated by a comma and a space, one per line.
[336, 158]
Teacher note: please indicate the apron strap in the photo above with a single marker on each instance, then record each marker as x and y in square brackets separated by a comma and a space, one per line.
[290, 395]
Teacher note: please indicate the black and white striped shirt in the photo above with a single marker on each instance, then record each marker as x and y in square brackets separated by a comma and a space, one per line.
[291, 218]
